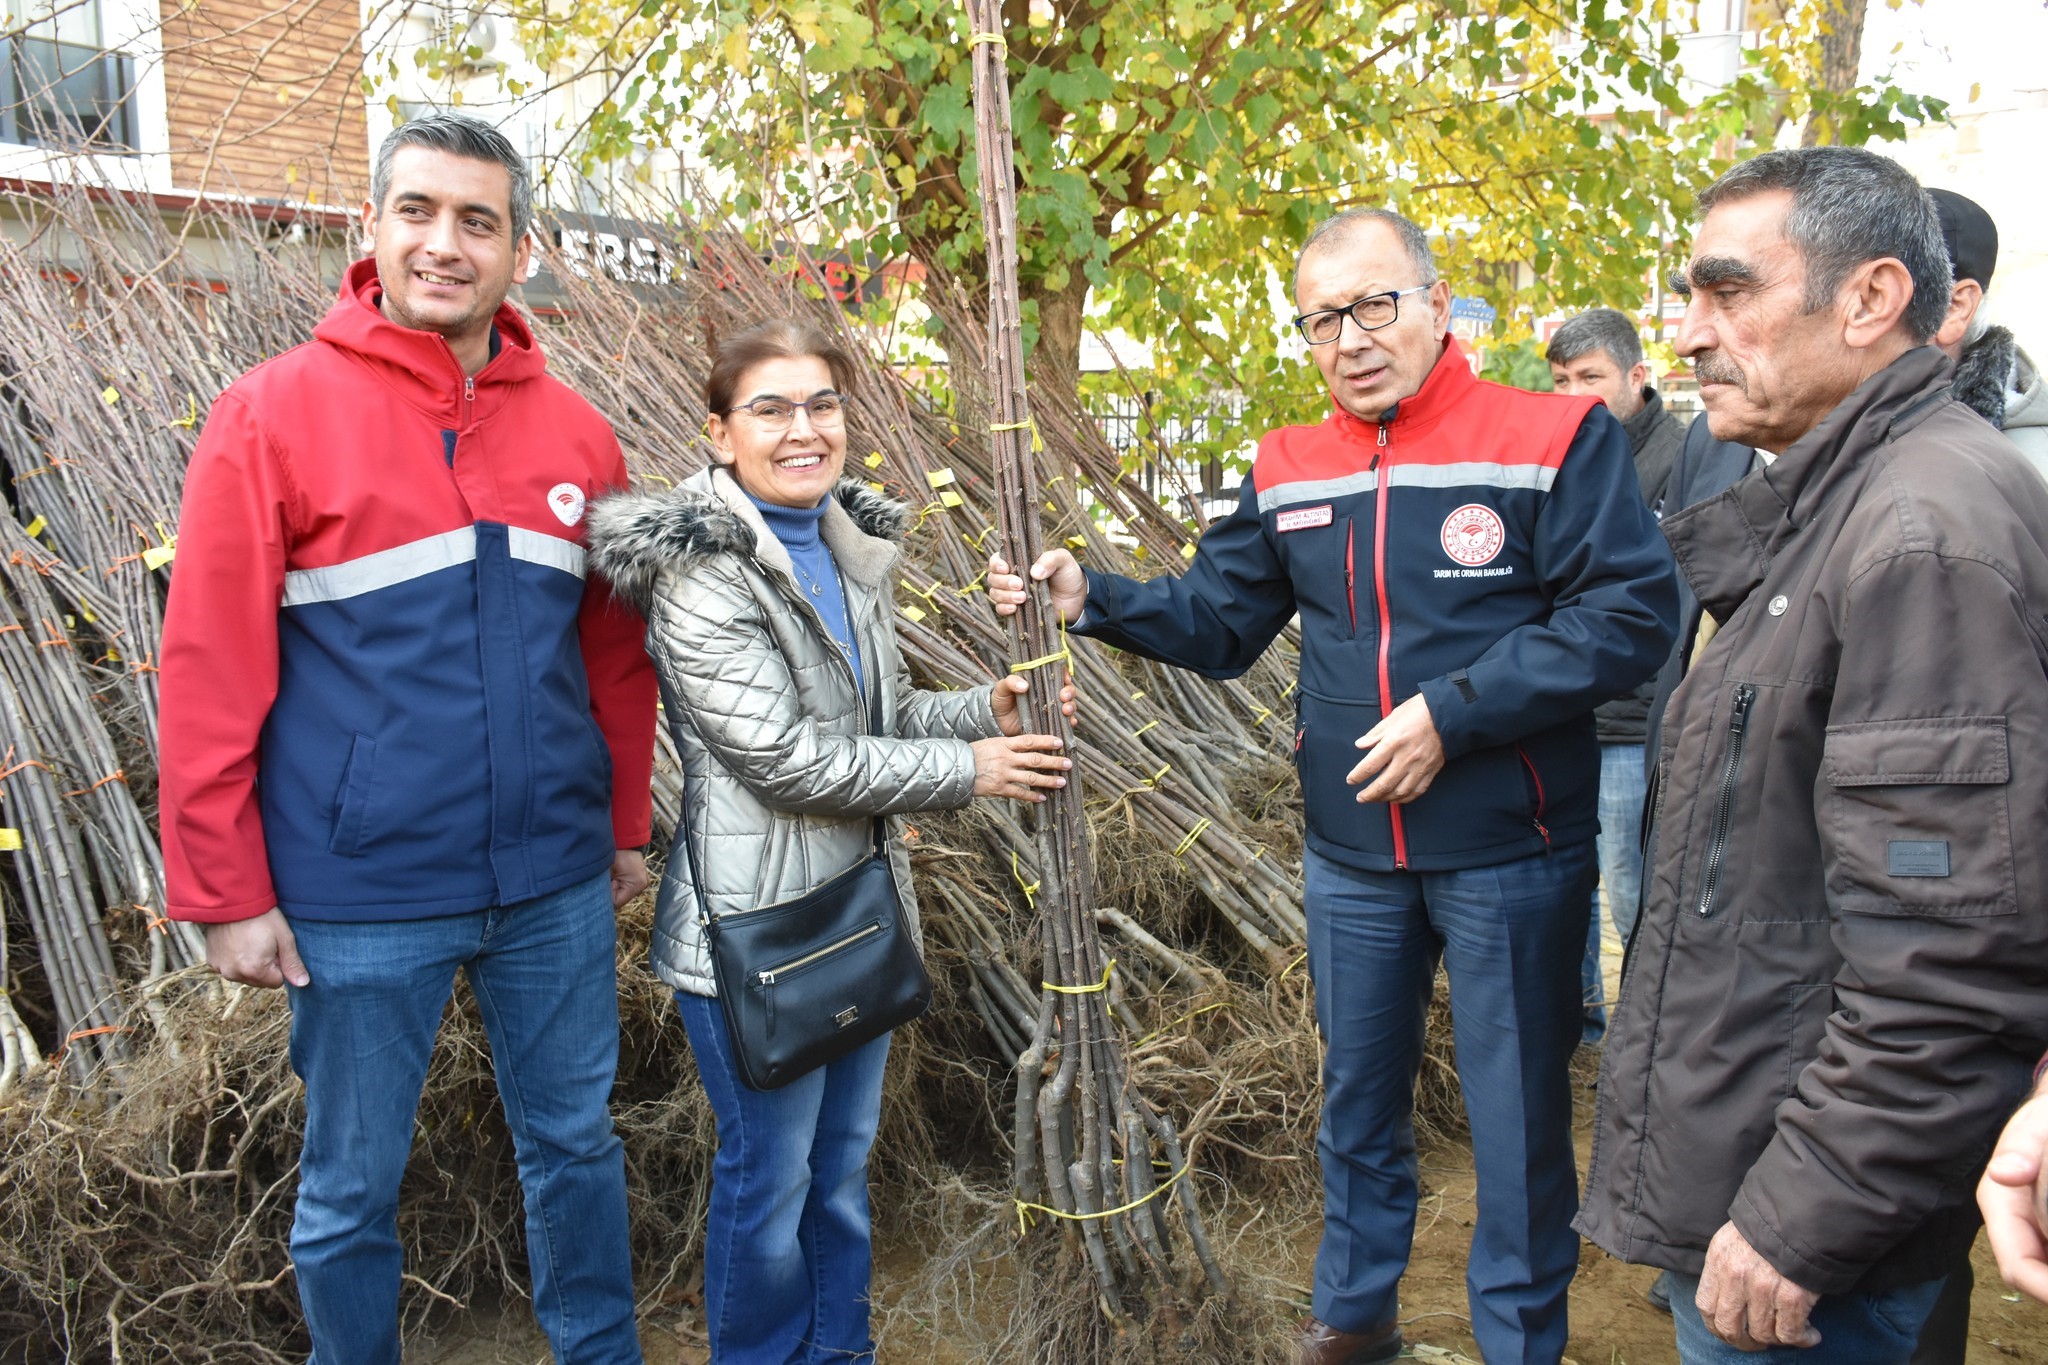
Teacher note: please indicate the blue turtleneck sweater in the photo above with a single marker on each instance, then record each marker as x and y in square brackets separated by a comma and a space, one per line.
[797, 529]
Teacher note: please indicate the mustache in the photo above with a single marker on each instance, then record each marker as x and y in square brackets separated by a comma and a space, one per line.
[1711, 367]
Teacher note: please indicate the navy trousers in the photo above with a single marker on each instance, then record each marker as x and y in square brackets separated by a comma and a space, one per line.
[1510, 937]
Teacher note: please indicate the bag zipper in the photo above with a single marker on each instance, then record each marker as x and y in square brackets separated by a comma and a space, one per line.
[767, 978]
[1384, 628]
[1717, 847]
[869, 930]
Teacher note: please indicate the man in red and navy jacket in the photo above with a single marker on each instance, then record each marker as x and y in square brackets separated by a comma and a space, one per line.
[1474, 571]
[403, 733]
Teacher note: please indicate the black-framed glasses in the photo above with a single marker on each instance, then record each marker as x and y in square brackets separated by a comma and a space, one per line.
[1371, 313]
[825, 409]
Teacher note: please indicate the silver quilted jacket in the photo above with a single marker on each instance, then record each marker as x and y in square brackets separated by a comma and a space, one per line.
[785, 773]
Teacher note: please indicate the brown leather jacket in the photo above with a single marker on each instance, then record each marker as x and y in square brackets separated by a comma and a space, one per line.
[1840, 980]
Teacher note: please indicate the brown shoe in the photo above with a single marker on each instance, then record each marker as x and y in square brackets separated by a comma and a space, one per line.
[1322, 1344]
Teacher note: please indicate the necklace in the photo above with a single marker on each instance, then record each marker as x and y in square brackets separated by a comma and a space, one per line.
[817, 588]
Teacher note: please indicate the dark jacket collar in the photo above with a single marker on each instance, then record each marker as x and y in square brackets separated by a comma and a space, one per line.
[1725, 545]
[1646, 419]
[419, 364]
[1449, 381]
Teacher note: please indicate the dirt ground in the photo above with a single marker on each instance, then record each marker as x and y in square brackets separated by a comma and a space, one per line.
[1612, 1324]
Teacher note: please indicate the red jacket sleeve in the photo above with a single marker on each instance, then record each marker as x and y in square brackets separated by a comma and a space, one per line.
[622, 692]
[219, 669]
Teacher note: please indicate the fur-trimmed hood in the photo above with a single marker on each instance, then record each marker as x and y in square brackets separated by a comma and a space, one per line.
[1984, 374]
[635, 537]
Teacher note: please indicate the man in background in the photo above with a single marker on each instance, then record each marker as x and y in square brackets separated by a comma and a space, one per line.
[1994, 376]
[1601, 354]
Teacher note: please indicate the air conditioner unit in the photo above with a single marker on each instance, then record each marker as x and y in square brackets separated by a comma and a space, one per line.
[477, 42]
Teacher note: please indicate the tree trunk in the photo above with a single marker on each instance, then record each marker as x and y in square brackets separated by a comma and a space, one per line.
[1841, 59]
[1057, 356]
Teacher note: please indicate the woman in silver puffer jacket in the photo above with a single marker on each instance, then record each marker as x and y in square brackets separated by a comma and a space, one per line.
[765, 581]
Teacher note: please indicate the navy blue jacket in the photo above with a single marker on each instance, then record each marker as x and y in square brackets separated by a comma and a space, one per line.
[1486, 547]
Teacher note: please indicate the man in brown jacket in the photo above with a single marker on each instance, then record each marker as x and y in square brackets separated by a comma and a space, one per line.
[1840, 982]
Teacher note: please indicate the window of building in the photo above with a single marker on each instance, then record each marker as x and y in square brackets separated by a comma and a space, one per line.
[60, 83]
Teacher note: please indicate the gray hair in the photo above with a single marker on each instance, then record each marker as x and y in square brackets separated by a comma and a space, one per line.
[458, 135]
[1602, 329]
[1851, 206]
[1340, 226]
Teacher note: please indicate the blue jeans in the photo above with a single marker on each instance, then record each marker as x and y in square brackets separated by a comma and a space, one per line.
[1509, 936]
[786, 1254]
[362, 1032]
[1622, 788]
[1855, 1329]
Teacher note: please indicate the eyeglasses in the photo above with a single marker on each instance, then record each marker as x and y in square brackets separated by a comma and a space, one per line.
[825, 409]
[1371, 313]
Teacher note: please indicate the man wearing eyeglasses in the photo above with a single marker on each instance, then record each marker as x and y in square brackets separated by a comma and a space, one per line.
[1474, 570]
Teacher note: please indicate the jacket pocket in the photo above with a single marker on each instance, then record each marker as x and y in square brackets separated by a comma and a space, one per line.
[352, 802]
[1326, 751]
[1726, 789]
[1916, 820]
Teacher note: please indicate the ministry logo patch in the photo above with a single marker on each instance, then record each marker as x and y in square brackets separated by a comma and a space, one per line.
[1473, 535]
[565, 500]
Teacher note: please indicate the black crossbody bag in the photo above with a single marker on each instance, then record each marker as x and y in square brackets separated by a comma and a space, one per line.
[805, 981]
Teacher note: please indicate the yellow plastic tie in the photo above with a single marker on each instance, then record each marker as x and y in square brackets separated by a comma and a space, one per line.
[1265, 713]
[1063, 653]
[1101, 985]
[1180, 849]
[1164, 769]
[35, 528]
[1143, 728]
[191, 417]
[1024, 1209]
[1137, 696]
[1030, 889]
[1037, 441]
[997, 39]
[973, 585]
[1292, 965]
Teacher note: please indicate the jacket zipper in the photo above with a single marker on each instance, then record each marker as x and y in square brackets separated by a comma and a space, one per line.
[468, 401]
[1385, 628]
[768, 977]
[1350, 598]
[1717, 847]
[1537, 778]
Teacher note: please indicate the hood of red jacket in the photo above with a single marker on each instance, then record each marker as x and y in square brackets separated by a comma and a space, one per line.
[418, 363]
